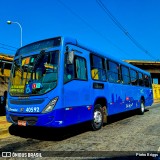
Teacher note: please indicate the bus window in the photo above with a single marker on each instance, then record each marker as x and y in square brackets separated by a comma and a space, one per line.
[146, 81]
[76, 70]
[81, 71]
[140, 79]
[150, 82]
[125, 75]
[68, 72]
[98, 68]
[113, 72]
[134, 78]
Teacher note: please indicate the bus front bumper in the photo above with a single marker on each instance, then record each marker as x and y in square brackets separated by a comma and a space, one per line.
[45, 120]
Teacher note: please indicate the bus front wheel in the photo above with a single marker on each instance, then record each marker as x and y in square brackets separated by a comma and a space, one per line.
[97, 121]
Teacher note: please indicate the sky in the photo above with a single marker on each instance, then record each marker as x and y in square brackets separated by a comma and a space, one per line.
[86, 21]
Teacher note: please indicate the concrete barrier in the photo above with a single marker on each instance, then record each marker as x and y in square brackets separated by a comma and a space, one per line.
[156, 92]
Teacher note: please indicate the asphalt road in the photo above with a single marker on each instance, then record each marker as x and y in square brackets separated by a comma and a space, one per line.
[127, 135]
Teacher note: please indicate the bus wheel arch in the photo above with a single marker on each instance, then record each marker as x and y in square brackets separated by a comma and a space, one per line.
[99, 114]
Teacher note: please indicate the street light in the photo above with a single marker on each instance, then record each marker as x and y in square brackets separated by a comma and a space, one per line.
[10, 22]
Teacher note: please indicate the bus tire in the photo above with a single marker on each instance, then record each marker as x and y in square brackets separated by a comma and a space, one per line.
[97, 121]
[142, 108]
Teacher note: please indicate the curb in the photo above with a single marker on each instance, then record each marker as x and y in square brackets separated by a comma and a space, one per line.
[155, 102]
[4, 127]
[4, 131]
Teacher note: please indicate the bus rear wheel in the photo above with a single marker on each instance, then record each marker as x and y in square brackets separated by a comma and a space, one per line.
[97, 121]
[142, 108]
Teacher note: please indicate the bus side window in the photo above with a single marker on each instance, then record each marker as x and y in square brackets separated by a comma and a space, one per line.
[140, 79]
[98, 71]
[125, 75]
[94, 73]
[134, 78]
[150, 82]
[113, 73]
[81, 69]
[146, 81]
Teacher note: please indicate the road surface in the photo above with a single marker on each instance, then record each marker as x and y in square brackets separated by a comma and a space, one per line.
[126, 135]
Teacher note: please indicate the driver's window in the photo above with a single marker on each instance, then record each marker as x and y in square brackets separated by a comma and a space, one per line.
[68, 72]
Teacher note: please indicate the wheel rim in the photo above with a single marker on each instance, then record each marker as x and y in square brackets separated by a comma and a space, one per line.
[142, 107]
[97, 118]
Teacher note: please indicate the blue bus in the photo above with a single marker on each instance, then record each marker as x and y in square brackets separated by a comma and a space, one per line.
[58, 82]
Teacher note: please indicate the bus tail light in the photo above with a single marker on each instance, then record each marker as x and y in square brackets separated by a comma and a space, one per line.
[50, 105]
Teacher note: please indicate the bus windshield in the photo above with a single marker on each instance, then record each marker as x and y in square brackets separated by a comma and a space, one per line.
[34, 75]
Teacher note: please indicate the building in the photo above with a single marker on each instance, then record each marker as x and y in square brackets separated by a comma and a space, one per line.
[5, 67]
[151, 66]
[154, 68]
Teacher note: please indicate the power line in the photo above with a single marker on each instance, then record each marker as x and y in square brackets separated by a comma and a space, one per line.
[7, 48]
[90, 26]
[7, 45]
[123, 29]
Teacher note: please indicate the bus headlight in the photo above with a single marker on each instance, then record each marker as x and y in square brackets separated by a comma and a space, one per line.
[50, 105]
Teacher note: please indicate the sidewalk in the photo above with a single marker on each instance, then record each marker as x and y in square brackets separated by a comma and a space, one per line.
[4, 125]
[156, 100]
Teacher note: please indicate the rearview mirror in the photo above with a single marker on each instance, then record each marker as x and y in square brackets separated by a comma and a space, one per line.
[70, 57]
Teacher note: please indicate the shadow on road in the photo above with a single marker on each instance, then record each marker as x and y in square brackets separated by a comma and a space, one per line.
[57, 134]
[121, 116]
[2, 114]
[48, 134]
[2, 110]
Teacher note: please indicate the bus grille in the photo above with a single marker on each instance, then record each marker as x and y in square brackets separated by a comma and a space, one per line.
[30, 120]
[27, 102]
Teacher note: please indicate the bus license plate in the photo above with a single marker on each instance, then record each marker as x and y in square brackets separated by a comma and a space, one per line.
[21, 123]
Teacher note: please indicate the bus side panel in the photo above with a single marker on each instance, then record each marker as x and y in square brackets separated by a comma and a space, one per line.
[121, 98]
[76, 102]
[148, 96]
